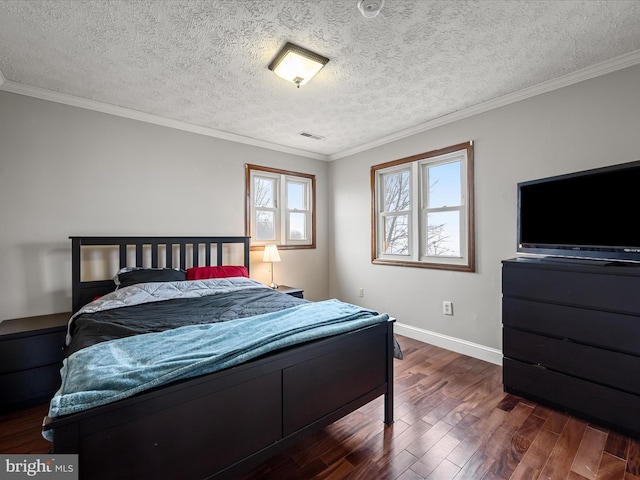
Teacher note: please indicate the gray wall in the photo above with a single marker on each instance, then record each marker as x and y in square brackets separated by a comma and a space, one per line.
[586, 125]
[70, 171]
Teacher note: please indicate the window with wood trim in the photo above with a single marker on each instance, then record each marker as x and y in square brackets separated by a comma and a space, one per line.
[280, 207]
[422, 210]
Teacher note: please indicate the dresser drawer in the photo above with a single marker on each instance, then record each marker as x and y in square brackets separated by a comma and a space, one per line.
[28, 387]
[611, 407]
[608, 406]
[26, 352]
[614, 293]
[609, 330]
[614, 369]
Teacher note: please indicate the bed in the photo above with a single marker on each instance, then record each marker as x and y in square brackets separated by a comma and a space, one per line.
[219, 423]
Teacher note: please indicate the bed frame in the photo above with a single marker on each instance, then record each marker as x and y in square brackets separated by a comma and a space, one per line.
[221, 424]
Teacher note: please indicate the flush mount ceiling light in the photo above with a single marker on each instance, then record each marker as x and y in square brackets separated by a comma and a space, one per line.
[370, 8]
[297, 64]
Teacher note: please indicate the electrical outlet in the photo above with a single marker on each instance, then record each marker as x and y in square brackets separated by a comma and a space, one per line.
[361, 292]
[447, 307]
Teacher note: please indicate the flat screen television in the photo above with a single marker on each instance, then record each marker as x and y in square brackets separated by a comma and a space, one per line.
[590, 214]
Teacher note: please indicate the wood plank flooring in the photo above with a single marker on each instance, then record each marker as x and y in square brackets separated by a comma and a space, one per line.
[452, 421]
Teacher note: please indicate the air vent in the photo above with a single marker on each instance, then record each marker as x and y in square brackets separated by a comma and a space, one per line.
[311, 135]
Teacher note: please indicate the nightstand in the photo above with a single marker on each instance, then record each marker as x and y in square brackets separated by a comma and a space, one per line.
[30, 359]
[294, 292]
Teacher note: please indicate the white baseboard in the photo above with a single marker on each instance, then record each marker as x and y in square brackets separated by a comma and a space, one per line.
[458, 345]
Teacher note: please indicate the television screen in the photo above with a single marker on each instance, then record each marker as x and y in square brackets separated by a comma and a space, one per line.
[590, 214]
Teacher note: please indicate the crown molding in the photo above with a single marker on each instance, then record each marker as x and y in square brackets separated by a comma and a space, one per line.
[603, 68]
[44, 94]
[608, 66]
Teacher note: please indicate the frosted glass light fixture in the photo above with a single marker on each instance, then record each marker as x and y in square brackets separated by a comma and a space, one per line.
[297, 64]
[271, 255]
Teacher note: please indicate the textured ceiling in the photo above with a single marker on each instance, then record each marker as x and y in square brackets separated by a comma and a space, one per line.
[205, 62]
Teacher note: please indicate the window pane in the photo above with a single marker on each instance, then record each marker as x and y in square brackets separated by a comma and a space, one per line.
[264, 192]
[297, 226]
[443, 234]
[396, 192]
[445, 188]
[396, 235]
[265, 226]
[296, 196]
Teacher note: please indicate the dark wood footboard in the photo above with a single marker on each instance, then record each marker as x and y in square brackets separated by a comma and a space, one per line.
[221, 424]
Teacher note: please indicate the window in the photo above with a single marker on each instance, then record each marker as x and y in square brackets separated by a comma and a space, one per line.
[280, 207]
[422, 212]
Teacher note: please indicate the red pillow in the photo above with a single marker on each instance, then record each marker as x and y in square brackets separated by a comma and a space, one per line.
[199, 273]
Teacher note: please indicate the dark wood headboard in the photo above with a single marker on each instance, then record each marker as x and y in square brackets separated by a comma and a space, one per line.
[171, 252]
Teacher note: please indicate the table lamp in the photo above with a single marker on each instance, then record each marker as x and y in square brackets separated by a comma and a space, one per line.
[271, 255]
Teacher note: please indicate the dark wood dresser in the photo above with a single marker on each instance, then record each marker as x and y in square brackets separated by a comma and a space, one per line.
[571, 337]
[30, 359]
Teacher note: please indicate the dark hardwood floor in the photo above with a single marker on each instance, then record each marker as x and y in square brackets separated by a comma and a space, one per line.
[452, 421]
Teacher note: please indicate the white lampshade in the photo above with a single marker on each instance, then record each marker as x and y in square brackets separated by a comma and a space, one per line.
[271, 253]
[297, 64]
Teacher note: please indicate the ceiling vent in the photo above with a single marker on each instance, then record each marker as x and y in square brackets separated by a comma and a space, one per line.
[311, 135]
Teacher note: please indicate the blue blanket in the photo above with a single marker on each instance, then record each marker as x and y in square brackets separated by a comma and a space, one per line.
[110, 371]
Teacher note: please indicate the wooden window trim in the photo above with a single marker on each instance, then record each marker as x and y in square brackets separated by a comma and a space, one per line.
[471, 250]
[248, 206]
